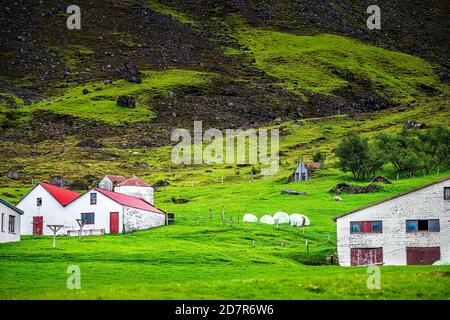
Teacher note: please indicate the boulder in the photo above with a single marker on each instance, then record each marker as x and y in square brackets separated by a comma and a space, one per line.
[59, 181]
[352, 189]
[131, 74]
[85, 91]
[160, 183]
[89, 143]
[126, 101]
[141, 164]
[381, 179]
[179, 200]
[411, 124]
[337, 198]
[13, 173]
[293, 192]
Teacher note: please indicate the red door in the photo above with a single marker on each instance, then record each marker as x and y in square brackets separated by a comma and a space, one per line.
[366, 256]
[113, 222]
[38, 226]
[427, 255]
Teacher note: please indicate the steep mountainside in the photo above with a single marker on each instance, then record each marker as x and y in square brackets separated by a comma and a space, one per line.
[228, 63]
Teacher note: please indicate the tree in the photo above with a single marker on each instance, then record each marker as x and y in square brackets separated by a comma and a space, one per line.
[356, 156]
[319, 157]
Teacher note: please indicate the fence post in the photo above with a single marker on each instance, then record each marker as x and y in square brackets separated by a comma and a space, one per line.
[239, 216]
[328, 235]
[307, 246]
[210, 215]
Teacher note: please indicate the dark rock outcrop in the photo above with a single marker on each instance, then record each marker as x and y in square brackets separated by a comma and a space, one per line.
[348, 188]
[131, 74]
[89, 143]
[13, 173]
[293, 192]
[126, 101]
[381, 179]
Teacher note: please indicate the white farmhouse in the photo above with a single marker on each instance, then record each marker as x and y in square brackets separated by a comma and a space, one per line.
[43, 205]
[114, 212]
[101, 211]
[110, 181]
[10, 222]
[136, 187]
[407, 229]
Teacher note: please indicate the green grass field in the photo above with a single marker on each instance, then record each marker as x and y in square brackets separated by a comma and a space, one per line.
[201, 259]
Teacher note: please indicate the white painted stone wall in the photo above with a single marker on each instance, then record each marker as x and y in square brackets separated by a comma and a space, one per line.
[427, 203]
[137, 219]
[145, 193]
[5, 235]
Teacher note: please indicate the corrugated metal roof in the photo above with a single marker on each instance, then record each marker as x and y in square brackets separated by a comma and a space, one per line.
[63, 196]
[129, 201]
[133, 182]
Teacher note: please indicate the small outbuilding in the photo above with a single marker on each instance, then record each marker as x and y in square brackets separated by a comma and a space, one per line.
[10, 222]
[303, 171]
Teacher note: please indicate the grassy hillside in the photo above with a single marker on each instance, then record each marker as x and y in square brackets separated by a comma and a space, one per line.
[201, 259]
[160, 263]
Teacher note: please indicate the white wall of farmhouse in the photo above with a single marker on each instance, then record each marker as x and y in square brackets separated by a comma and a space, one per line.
[101, 210]
[426, 203]
[5, 235]
[145, 193]
[138, 219]
[52, 211]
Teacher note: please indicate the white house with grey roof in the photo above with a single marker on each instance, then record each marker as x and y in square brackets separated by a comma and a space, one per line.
[10, 222]
[412, 228]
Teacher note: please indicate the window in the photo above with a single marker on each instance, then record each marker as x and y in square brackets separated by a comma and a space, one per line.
[366, 227]
[12, 224]
[39, 202]
[87, 218]
[3, 222]
[93, 198]
[431, 225]
[447, 193]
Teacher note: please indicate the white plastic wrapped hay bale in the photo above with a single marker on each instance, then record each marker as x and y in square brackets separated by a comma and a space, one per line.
[299, 220]
[281, 217]
[249, 218]
[267, 219]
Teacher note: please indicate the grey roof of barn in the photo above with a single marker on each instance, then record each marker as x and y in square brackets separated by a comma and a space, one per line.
[390, 198]
[9, 205]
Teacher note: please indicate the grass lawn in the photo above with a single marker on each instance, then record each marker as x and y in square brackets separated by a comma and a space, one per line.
[201, 259]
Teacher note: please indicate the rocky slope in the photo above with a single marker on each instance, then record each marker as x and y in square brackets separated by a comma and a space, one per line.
[41, 59]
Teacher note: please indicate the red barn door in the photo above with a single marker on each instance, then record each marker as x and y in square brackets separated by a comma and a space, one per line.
[114, 222]
[366, 256]
[417, 255]
[38, 226]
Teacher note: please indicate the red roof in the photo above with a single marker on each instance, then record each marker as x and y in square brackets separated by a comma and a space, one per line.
[312, 164]
[129, 201]
[133, 182]
[63, 196]
[115, 178]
